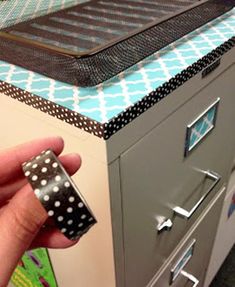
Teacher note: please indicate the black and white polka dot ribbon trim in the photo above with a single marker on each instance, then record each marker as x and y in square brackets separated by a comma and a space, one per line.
[59, 195]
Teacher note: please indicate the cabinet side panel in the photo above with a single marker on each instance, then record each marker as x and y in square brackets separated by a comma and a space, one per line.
[90, 263]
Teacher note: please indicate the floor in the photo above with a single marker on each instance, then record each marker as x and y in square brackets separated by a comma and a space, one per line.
[226, 275]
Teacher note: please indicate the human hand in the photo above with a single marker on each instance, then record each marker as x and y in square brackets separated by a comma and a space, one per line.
[24, 222]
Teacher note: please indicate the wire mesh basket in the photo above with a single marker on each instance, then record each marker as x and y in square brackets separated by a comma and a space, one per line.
[88, 43]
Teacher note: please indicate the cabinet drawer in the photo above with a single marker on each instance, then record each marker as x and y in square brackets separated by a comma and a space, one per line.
[156, 177]
[194, 253]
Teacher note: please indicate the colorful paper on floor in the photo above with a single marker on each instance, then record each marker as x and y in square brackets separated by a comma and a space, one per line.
[34, 270]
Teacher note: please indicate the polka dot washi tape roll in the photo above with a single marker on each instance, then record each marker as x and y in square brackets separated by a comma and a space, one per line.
[59, 195]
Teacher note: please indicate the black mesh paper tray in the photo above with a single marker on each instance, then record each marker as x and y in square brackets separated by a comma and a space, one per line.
[92, 42]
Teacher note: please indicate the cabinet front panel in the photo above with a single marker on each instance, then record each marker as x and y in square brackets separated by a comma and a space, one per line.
[159, 180]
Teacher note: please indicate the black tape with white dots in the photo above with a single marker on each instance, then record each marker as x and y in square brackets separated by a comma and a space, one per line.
[59, 195]
[108, 129]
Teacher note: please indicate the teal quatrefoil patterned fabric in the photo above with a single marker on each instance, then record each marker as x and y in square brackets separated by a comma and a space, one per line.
[107, 100]
[15, 11]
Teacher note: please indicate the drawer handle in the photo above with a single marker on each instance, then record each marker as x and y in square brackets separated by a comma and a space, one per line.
[190, 277]
[166, 224]
[187, 214]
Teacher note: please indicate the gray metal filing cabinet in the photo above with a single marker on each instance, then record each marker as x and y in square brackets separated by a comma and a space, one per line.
[155, 177]
[156, 183]
[150, 190]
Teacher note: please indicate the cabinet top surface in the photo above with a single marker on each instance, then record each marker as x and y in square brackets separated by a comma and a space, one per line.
[104, 102]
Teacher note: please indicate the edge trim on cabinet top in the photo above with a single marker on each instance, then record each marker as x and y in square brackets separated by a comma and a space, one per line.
[106, 130]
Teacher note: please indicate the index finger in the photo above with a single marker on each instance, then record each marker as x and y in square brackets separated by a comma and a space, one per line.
[12, 159]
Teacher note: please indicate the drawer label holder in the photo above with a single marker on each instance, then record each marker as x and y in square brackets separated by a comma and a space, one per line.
[200, 127]
[181, 263]
[211, 68]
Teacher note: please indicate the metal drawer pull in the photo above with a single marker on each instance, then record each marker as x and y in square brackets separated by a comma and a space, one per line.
[187, 214]
[190, 277]
[165, 225]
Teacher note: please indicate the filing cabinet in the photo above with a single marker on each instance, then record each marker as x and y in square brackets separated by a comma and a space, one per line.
[133, 193]
[151, 191]
[156, 184]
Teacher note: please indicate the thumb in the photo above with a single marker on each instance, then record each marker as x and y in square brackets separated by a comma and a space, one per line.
[19, 224]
